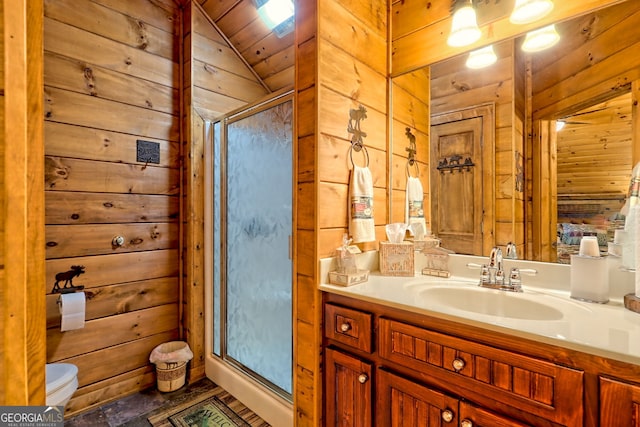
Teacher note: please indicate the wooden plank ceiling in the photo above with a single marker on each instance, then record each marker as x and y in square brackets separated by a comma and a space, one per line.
[271, 58]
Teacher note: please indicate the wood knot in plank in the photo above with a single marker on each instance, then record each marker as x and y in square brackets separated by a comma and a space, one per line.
[209, 69]
[55, 170]
[143, 41]
[90, 81]
[460, 87]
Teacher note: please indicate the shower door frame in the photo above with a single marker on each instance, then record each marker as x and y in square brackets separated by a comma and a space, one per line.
[257, 394]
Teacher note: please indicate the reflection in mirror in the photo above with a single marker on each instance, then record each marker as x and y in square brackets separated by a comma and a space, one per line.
[540, 178]
[593, 172]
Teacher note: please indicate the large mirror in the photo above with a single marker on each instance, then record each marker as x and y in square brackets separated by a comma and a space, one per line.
[495, 165]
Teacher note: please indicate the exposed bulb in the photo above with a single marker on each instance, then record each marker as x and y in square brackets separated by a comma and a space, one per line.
[540, 39]
[481, 58]
[464, 27]
[527, 11]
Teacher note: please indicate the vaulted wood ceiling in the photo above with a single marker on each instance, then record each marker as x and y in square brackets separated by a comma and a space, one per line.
[272, 58]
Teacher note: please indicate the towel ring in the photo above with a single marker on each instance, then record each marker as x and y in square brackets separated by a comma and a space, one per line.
[365, 153]
[415, 165]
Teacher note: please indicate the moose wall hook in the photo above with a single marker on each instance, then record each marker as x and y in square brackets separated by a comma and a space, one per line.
[67, 277]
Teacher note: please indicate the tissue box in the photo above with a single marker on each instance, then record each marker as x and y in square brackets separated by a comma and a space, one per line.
[397, 259]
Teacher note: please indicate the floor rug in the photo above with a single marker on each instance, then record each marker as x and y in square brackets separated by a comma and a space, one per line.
[211, 412]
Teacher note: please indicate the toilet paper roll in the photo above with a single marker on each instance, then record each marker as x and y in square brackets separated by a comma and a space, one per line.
[72, 309]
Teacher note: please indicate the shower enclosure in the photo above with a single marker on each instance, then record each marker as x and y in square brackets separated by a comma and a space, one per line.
[250, 201]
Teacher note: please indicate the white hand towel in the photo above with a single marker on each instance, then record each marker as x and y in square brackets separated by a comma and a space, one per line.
[361, 225]
[414, 212]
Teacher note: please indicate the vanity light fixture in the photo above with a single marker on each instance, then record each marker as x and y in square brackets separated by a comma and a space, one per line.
[278, 15]
[481, 58]
[464, 26]
[527, 11]
[540, 39]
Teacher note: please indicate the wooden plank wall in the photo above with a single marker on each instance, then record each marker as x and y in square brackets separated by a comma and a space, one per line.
[598, 64]
[455, 87]
[271, 57]
[341, 63]
[410, 100]
[352, 70]
[222, 81]
[22, 299]
[594, 162]
[3, 194]
[216, 82]
[107, 86]
[307, 374]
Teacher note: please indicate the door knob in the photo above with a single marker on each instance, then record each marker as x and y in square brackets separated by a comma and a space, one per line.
[458, 364]
[447, 415]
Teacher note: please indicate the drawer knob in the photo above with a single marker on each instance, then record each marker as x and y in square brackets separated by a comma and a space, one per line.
[466, 423]
[458, 364]
[447, 415]
[363, 378]
[345, 327]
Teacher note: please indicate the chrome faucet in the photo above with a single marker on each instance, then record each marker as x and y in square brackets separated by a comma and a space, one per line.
[492, 275]
[496, 273]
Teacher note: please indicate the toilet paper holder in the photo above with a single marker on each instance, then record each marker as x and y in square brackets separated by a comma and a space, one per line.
[67, 277]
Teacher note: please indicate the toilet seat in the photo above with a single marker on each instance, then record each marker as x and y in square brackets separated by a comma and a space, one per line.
[62, 382]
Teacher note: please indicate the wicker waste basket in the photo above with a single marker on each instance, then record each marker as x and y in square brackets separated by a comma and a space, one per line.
[171, 360]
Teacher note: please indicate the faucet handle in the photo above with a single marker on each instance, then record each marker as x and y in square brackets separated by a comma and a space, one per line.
[511, 251]
[485, 276]
[515, 280]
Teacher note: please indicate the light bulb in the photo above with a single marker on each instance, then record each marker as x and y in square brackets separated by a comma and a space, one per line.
[464, 27]
[540, 39]
[481, 58]
[527, 11]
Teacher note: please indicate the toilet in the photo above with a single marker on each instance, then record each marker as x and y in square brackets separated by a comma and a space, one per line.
[62, 382]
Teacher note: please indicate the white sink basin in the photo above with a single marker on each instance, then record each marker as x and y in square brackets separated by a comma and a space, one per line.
[497, 303]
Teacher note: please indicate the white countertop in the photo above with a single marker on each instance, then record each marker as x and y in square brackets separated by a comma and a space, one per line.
[608, 330]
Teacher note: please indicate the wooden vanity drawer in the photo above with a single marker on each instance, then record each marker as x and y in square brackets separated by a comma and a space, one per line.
[348, 326]
[511, 378]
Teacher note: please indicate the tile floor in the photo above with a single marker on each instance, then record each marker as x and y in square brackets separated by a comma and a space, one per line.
[133, 411]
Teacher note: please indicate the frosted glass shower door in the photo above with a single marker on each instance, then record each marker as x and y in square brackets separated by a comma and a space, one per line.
[259, 211]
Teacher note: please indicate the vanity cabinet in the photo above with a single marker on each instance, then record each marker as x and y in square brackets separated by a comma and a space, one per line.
[406, 403]
[349, 393]
[619, 403]
[394, 370]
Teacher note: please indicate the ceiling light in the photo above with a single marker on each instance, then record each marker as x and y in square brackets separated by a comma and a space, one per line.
[527, 11]
[464, 27]
[275, 13]
[560, 125]
[540, 39]
[481, 58]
